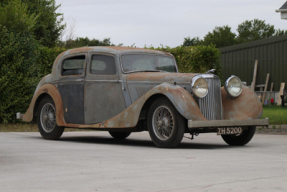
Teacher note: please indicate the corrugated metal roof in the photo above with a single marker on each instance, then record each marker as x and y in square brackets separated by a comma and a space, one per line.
[284, 6]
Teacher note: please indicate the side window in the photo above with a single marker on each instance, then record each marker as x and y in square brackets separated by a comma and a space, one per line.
[73, 66]
[103, 65]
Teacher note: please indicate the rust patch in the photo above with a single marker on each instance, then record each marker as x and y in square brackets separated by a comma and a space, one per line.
[80, 50]
[164, 77]
[58, 58]
[182, 100]
[54, 93]
[245, 106]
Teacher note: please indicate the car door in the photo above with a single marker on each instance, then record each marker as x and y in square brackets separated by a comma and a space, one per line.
[103, 89]
[71, 87]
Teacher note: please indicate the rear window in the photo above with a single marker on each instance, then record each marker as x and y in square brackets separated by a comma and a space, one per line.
[103, 65]
[73, 65]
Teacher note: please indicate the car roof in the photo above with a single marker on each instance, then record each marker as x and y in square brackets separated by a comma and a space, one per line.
[115, 50]
[102, 49]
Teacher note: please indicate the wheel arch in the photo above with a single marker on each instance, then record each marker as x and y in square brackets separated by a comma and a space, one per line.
[148, 103]
[46, 90]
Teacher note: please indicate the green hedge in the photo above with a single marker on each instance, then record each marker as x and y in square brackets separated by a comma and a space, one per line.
[18, 73]
[23, 63]
[195, 59]
[46, 57]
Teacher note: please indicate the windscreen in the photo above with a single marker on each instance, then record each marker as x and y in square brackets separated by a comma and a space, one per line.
[148, 62]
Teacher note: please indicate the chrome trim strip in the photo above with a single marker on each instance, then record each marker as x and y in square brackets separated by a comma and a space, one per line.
[227, 123]
[110, 81]
[158, 82]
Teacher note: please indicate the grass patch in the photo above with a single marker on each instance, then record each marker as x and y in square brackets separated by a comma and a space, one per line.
[28, 127]
[22, 127]
[276, 114]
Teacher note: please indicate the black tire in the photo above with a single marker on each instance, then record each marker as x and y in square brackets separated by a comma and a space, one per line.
[241, 139]
[166, 131]
[46, 120]
[119, 135]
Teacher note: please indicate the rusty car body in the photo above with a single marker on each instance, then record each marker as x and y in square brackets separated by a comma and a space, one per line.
[124, 90]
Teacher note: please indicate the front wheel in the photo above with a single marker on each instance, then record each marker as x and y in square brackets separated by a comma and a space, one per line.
[46, 120]
[165, 124]
[242, 139]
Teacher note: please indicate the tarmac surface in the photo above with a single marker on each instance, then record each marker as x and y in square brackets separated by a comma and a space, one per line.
[93, 161]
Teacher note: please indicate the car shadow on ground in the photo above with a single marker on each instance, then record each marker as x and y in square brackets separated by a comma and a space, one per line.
[185, 144]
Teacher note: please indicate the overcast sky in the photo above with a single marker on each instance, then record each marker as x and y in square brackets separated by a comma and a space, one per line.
[166, 22]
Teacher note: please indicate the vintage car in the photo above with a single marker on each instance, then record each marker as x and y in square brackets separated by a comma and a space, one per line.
[124, 90]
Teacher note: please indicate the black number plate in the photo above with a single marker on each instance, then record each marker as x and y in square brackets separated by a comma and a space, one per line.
[229, 131]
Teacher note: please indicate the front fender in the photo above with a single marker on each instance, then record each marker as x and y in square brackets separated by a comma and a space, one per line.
[246, 106]
[181, 99]
[51, 90]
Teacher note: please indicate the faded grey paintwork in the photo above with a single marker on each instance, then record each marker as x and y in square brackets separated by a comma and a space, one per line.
[103, 95]
[123, 96]
[181, 99]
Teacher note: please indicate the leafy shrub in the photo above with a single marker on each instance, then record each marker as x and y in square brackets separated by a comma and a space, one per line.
[18, 72]
[195, 59]
[46, 57]
[23, 61]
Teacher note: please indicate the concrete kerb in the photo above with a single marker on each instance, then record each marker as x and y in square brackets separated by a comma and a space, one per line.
[273, 129]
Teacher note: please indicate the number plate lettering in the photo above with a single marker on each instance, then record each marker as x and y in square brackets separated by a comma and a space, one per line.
[229, 131]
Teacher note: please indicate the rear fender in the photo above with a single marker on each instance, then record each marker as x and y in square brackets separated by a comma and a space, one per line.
[53, 92]
[181, 99]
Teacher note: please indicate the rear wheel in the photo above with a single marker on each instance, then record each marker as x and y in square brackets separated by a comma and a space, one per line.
[165, 124]
[242, 139]
[119, 135]
[46, 120]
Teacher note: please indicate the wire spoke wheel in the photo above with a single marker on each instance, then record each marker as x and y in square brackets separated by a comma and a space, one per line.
[48, 117]
[166, 125]
[163, 123]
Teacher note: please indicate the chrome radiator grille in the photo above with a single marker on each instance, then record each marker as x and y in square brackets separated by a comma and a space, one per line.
[211, 104]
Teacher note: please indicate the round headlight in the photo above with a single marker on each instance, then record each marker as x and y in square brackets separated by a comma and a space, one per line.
[233, 86]
[199, 87]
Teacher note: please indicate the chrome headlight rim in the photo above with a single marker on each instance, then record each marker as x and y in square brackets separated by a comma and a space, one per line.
[226, 86]
[192, 86]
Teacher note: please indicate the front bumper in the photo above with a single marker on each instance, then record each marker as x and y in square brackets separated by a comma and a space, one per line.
[19, 115]
[227, 123]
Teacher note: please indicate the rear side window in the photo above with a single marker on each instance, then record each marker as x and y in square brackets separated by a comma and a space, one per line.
[74, 66]
[103, 65]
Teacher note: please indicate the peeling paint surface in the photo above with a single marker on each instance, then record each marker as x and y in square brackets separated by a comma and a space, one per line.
[54, 93]
[138, 88]
[246, 106]
[182, 100]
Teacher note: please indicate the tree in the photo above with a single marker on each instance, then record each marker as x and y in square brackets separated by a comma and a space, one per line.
[220, 37]
[85, 41]
[254, 30]
[18, 54]
[48, 26]
[191, 42]
[280, 32]
[15, 17]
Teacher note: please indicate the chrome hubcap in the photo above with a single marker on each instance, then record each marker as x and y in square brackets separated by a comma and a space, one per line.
[47, 117]
[163, 123]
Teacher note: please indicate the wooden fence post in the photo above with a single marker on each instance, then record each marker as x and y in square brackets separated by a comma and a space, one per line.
[265, 88]
[253, 84]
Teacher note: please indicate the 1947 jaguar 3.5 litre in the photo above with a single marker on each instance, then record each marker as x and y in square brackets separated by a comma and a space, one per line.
[124, 90]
